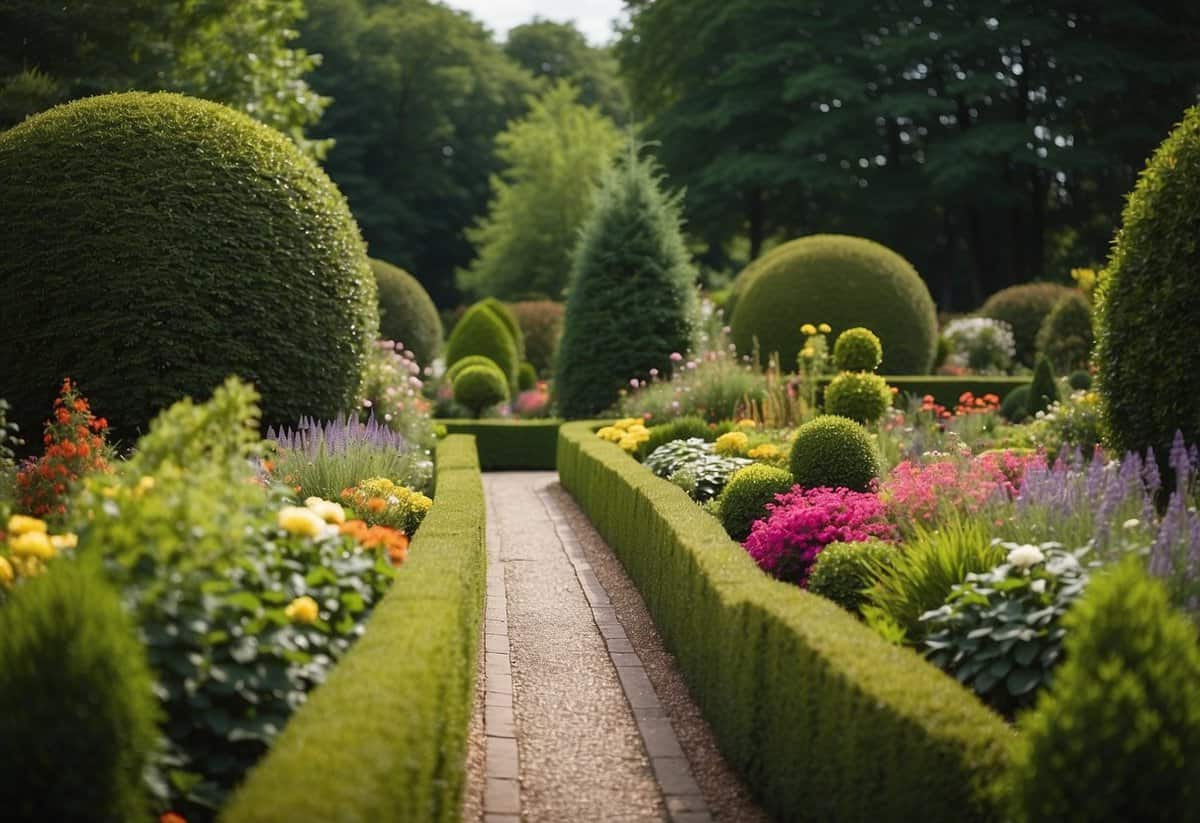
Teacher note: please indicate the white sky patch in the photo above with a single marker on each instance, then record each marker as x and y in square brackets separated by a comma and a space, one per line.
[592, 17]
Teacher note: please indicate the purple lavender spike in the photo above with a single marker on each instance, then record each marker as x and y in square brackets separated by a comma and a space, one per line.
[1152, 477]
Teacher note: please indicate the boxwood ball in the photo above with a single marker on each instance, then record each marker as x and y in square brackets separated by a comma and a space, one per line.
[155, 244]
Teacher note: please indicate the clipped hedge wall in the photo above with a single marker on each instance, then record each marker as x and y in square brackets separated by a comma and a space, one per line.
[823, 719]
[947, 390]
[154, 244]
[384, 738]
[406, 312]
[511, 444]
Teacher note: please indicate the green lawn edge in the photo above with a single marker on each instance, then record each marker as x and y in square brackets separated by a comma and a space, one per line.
[385, 737]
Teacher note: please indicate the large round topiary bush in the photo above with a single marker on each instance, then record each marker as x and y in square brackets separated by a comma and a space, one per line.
[407, 313]
[834, 452]
[153, 244]
[1066, 337]
[1025, 308]
[1147, 335]
[845, 282]
[481, 331]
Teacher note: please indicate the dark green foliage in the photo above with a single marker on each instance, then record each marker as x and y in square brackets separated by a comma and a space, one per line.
[1066, 335]
[1044, 389]
[407, 313]
[835, 452]
[862, 396]
[681, 428]
[1079, 380]
[1025, 308]
[1015, 407]
[845, 282]
[482, 331]
[362, 747]
[480, 387]
[526, 376]
[509, 319]
[746, 496]
[631, 301]
[1117, 737]
[1148, 339]
[467, 362]
[792, 685]
[80, 719]
[541, 324]
[857, 349]
[692, 465]
[558, 51]
[511, 444]
[843, 571]
[154, 244]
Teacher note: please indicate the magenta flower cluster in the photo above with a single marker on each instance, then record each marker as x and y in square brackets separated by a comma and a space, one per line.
[785, 544]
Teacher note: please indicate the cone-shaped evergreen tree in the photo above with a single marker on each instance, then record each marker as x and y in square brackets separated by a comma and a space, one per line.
[631, 302]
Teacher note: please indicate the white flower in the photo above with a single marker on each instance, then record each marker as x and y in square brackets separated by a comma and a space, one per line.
[1132, 523]
[1025, 556]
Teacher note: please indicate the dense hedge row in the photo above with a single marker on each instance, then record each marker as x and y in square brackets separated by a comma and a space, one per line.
[947, 390]
[511, 444]
[385, 737]
[823, 719]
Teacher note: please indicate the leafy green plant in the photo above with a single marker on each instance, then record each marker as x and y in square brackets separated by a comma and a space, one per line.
[746, 495]
[844, 571]
[693, 466]
[835, 452]
[479, 388]
[1015, 406]
[862, 396]
[668, 458]
[679, 429]
[857, 349]
[1066, 336]
[999, 631]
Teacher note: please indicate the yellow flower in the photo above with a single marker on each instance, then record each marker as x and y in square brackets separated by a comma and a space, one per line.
[747, 423]
[300, 520]
[638, 431]
[824, 328]
[32, 544]
[807, 352]
[767, 451]
[731, 443]
[303, 610]
[626, 423]
[61, 542]
[327, 510]
[628, 443]
[809, 329]
[6, 572]
[144, 485]
[610, 433]
[20, 524]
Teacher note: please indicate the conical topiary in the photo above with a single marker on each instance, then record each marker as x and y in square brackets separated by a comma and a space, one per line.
[630, 303]
[1043, 391]
[481, 331]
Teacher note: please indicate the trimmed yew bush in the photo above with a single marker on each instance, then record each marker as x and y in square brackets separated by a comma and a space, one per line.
[483, 332]
[857, 349]
[480, 387]
[1024, 308]
[407, 313]
[862, 396]
[1066, 336]
[835, 452]
[746, 495]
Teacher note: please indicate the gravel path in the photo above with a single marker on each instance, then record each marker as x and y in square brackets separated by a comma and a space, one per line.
[604, 728]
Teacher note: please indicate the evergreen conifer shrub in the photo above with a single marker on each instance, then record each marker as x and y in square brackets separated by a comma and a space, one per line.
[1043, 391]
[153, 244]
[407, 312]
[631, 303]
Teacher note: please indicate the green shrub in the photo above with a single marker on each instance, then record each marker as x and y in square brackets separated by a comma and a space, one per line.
[467, 362]
[835, 452]
[526, 376]
[716, 389]
[845, 282]
[181, 242]
[1043, 391]
[844, 571]
[79, 723]
[511, 444]
[862, 396]
[483, 332]
[1079, 380]
[681, 428]
[1024, 308]
[746, 496]
[1117, 736]
[924, 571]
[1066, 336]
[857, 349]
[510, 322]
[1015, 405]
[407, 313]
[541, 323]
[1148, 340]
[480, 387]
[630, 302]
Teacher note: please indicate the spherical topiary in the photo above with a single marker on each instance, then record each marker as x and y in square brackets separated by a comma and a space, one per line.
[1066, 335]
[480, 387]
[1147, 335]
[745, 497]
[844, 570]
[835, 452]
[509, 319]
[857, 349]
[1015, 406]
[526, 376]
[862, 396]
[482, 331]
[467, 362]
[153, 244]
[845, 282]
[407, 312]
[1079, 380]
[1024, 308]
[1044, 389]
[80, 700]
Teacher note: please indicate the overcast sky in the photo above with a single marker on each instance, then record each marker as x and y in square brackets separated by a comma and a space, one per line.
[592, 17]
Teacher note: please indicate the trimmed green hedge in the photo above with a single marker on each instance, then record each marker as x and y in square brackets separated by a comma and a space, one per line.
[511, 444]
[823, 719]
[384, 738]
[947, 390]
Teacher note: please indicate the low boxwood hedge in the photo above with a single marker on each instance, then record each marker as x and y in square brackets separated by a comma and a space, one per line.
[384, 738]
[824, 720]
[511, 444]
[947, 390]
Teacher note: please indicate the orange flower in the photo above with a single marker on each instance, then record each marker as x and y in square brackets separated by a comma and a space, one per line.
[171, 817]
[376, 504]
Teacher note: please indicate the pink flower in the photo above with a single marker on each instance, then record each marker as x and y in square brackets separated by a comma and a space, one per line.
[676, 357]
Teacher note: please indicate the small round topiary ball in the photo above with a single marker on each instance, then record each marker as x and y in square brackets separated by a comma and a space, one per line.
[154, 244]
[862, 396]
[480, 387]
[745, 497]
[407, 312]
[457, 367]
[844, 570]
[834, 452]
[857, 349]
[845, 282]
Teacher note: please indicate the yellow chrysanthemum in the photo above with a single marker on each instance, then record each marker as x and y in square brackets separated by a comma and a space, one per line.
[824, 328]
[20, 524]
[300, 520]
[767, 451]
[6, 572]
[747, 423]
[32, 544]
[629, 444]
[61, 542]
[731, 443]
[303, 610]
[610, 433]
[626, 423]
[808, 328]
[807, 352]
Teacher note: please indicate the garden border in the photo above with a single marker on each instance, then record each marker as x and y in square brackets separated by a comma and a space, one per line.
[529, 445]
[946, 389]
[385, 737]
[823, 718]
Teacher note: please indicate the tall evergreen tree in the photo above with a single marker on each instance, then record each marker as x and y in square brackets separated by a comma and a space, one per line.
[631, 301]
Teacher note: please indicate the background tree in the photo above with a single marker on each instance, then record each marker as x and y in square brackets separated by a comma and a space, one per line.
[558, 51]
[553, 157]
